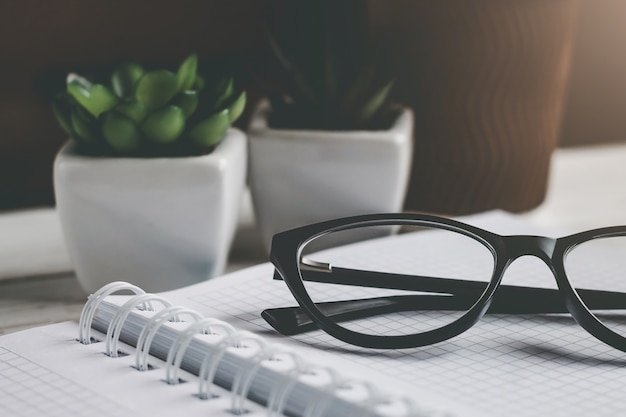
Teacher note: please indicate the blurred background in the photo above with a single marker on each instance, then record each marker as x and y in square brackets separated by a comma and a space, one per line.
[582, 56]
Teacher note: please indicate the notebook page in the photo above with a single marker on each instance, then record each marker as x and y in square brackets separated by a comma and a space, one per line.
[516, 365]
[46, 372]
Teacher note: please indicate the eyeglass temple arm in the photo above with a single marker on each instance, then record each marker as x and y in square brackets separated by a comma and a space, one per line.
[374, 279]
[451, 286]
[508, 300]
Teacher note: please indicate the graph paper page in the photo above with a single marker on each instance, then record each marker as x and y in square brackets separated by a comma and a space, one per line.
[514, 366]
[46, 372]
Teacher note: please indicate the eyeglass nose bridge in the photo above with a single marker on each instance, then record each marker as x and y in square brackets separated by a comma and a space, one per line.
[539, 246]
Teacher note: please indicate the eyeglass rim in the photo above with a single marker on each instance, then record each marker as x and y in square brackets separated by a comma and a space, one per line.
[286, 250]
[574, 303]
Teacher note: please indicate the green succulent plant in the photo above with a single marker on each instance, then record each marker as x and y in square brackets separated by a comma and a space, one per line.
[324, 72]
[149, 112]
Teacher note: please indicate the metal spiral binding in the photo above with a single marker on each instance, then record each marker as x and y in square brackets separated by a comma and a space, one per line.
[411, 409]
[178, 348]
[144, 341]
[117, 322]
[320, 402]
[242, 381]
[243, 378]
[211, 360]
[277, 399]
[94, 300]
[373, 400]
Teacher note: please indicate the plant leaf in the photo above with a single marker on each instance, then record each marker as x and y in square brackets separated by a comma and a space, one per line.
[199, 84]
[78, 85]
[102, 98]
[133, 110]
[124, 79]
[95, 98]
[359, 90]
[63, 112]
[225, 90]
[304, 87]
[237, 107]
[187, 72]
[165, 125]
[372, 105]
[64, 118]
[83, 124]
[187, 100]
[156, 88]
[210, 131]
[120, 132]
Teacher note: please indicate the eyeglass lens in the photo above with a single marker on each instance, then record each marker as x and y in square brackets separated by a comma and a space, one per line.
[426, 300]
[600, 264]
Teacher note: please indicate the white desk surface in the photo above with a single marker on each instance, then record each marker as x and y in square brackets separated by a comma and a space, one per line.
[37, 285]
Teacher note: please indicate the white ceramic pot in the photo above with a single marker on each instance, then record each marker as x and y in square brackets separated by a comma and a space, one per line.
[299, 177]
[159, 223]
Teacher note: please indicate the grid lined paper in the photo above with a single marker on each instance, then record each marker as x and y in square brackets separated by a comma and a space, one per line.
[27, 387]
[46, 372]
[514, 366]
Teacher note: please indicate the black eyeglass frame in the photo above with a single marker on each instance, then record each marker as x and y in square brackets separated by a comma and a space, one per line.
[286, 253]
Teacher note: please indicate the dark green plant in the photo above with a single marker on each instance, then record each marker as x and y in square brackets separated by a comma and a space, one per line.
[149, 113]
[324, 72]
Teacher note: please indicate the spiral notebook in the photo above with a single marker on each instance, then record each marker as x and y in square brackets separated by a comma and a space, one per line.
[140, 355]
[514, 366]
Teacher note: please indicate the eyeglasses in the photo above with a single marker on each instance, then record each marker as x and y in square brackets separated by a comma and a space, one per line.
[414, 280]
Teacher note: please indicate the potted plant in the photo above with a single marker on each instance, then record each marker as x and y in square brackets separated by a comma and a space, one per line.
[326, 142]
[148, 187]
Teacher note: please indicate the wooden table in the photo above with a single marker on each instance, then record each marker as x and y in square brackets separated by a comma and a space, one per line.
[587, 189]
